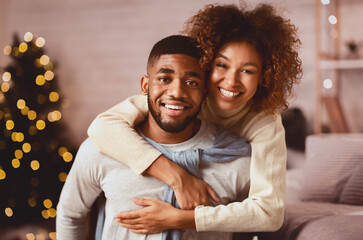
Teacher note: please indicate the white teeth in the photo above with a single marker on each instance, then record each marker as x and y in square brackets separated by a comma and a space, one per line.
[174, 107]
[228, 93]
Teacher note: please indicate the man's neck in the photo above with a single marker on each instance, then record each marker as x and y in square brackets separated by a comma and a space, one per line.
[150, 129]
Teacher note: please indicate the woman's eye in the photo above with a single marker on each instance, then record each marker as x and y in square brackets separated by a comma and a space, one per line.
[221, 65]
[247, 71]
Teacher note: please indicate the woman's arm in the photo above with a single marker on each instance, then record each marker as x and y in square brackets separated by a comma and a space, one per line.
[263, 210]
[113, 133]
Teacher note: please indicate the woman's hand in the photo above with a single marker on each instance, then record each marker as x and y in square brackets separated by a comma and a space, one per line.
[155, 217]
[190, 191]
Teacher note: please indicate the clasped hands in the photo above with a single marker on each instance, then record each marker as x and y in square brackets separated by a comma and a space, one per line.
[158, 216]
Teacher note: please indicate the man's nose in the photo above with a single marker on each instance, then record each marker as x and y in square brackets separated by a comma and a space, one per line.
[176, 88]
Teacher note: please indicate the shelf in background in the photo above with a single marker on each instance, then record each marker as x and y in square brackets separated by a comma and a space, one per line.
[341, 64]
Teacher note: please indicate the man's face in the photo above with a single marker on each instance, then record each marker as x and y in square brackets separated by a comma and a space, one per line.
[175, 88]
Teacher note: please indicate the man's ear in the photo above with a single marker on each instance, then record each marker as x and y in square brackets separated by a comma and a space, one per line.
[144, 84]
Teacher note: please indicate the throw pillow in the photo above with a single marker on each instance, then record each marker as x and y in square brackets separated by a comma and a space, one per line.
[353, 190]
[330, 161]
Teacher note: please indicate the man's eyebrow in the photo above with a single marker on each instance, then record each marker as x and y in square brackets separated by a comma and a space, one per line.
[193, 74]
[166, 70]
[244, 64]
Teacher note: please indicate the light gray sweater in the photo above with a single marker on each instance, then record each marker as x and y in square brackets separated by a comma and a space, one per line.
[94, 172]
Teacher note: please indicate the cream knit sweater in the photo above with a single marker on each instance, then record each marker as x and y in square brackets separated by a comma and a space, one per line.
[263, 210]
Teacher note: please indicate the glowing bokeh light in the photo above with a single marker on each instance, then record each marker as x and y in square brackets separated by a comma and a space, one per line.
[6, 76]
[40, 42]
[2, 174]
[32, 115]
[28, 36]
[5, 87]
[18, 154]
[328, 83]
[32, 202]
[53, 96]
[40, 80]
[40, 124]
[34, 165]
[26, 147]
[9, 124]
[333, 19]
[21, 103]
[62, 176]
[44, 60]
[67, 156]
[23, 47]
[15, 162]
[47, 203]
[9, 212]
[49, 75]
[25, 110]
[7, 50]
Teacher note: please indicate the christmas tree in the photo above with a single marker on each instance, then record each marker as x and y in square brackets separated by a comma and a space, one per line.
[35, 156]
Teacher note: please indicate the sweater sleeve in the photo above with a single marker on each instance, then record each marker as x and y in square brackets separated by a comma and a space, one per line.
[263, 210]
[113, 134]
[79, 192]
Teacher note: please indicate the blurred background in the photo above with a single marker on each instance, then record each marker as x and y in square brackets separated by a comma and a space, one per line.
[64, 62]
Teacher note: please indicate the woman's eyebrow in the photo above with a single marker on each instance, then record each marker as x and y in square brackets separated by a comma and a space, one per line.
[243, 65]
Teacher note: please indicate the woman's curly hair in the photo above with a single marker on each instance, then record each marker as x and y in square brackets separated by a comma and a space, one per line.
[273, 37]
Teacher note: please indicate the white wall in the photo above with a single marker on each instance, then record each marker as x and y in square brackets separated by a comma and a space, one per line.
[101, 47]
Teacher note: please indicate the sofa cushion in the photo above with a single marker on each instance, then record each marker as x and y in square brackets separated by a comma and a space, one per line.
[330, 161]
[353, 190]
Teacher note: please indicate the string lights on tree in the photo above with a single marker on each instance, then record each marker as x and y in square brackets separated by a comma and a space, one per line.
[35, 155]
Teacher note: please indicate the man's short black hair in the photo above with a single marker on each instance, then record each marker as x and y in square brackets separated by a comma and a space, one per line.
[175, 44]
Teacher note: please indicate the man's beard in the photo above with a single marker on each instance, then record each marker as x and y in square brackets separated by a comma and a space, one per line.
[169, 126]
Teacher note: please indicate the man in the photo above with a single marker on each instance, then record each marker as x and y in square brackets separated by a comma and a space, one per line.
[175, 90]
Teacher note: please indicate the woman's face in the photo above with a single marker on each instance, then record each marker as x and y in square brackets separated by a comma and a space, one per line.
[236, 72]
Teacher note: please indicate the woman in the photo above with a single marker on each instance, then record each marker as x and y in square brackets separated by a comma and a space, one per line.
[252, 63]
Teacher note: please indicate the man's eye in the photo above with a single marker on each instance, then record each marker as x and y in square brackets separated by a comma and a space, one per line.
[192, 83]
[163, 79]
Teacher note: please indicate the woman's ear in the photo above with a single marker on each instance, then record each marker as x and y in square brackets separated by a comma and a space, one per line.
[144, 85]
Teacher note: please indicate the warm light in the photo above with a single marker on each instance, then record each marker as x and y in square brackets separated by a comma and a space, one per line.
[49, 66]
[40, 42]
[15, 162]
[18, 154]
[54, 116]
[53, 235]
[325, 2]
[41, 99]
[40, 80]
[28, 36]
[30, 236]
[40, 124]
[19, 137]
[32, 115]
[44, 60]
[34, 165]
[45, 214]
[26, 147]
[32, 202]
[62, 176]
[67, 156]
[5, 87]
[20, 104]
[49, 75]
[328, 83]
[8, 212]
[62, 150]
[2, 174]
[10, 124]
[2, 98]
[333, 19]
[23, 47]
[25, 110]
[53, 96]
[47, 203]
[52, 213]
[6, 76]
[32, 130]
[13, 136]
[7, 50]
[37, 63]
